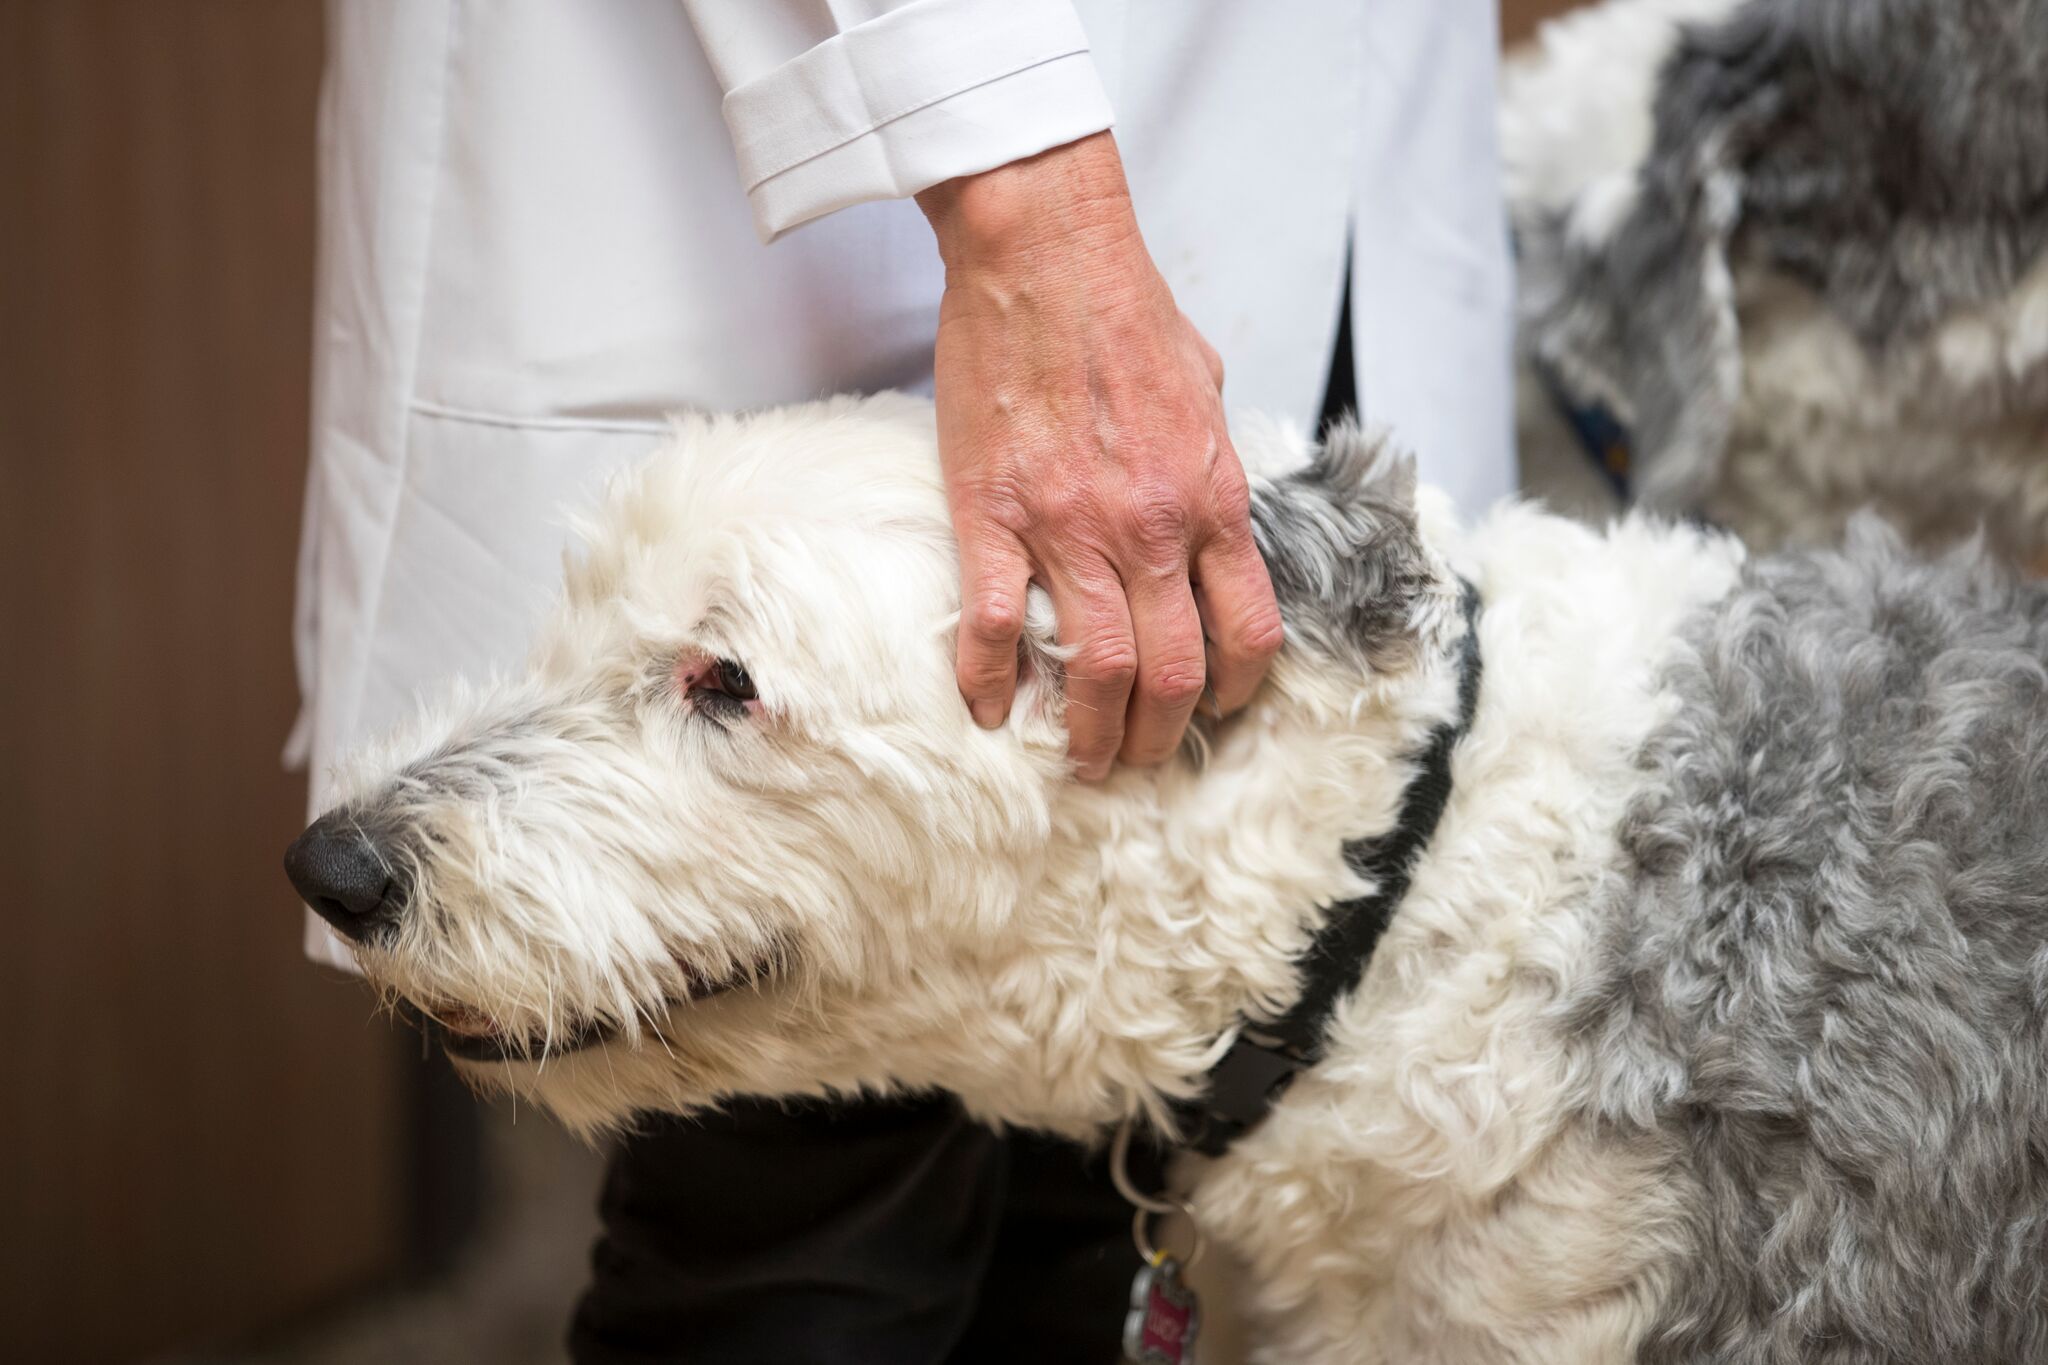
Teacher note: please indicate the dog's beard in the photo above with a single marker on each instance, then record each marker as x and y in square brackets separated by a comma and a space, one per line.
[468, 1026]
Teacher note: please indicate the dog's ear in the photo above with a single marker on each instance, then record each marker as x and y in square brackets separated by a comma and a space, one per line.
[1356, 465]
[1343, 548]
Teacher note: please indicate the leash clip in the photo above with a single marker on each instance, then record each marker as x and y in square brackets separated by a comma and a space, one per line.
[1243, 1086]
[1165, 1316]
[1145, 1207]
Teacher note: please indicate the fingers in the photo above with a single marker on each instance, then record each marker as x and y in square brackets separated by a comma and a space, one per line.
[993, 577]
[1169, 682]
[1236, 598]
[1095, 624]
[1241, 618]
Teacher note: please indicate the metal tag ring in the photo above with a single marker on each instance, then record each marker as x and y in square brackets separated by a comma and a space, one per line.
[1150, 1254]
[1145, 1206]
[1120, 1175]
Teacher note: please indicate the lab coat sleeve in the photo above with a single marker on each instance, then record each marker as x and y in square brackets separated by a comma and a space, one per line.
[832, 104]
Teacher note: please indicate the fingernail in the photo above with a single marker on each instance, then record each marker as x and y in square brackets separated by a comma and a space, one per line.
[988, 712]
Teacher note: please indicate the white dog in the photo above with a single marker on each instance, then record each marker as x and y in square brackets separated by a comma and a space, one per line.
[1708, 1023]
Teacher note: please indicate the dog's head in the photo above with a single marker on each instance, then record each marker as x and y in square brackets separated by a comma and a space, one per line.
[734, 831]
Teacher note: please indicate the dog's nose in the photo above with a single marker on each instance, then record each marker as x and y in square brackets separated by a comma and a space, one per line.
[343, 877]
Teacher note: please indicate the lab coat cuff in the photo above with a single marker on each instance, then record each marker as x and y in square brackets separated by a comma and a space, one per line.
[938, 89]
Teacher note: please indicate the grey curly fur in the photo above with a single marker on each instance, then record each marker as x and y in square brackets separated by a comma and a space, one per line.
[1341, 543]
[1890, 154]
[1828, 1003]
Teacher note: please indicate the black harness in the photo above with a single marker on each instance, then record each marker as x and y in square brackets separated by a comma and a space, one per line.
[1266, 1057]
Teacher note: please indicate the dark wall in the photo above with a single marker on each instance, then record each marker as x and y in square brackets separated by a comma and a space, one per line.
[1518, 18]
[199, 1133]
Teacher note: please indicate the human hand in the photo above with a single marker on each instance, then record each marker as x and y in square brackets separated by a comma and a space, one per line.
[1082, 434]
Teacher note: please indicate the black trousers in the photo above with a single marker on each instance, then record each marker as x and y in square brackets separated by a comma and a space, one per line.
[879, 1233]
[895, 1233]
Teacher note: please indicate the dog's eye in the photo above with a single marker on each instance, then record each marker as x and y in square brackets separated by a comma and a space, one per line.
[729, 679]
[717, 689]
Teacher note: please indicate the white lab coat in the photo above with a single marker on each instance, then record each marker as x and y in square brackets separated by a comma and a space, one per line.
[543, 228]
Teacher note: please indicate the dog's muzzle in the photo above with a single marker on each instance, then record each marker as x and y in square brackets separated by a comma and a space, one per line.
[341, 873]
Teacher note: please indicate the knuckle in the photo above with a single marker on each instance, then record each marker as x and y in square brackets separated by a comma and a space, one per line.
[1260, 635]
[1231, 497]
[1177, 684]
[990, 501]
[982, 677]
[1061, 506]
[1159, 515]
[1107, 663]
[994, 617]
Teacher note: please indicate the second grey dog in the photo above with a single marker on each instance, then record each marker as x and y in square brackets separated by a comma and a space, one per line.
[1796, 249]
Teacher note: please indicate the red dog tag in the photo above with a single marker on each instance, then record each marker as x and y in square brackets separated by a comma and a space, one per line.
[1164, 1316]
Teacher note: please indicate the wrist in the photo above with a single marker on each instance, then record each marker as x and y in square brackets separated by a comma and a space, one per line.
[1072, 196]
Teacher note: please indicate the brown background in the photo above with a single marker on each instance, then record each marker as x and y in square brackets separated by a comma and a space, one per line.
[201, 1132]
[1519, 17]
[202, 1135]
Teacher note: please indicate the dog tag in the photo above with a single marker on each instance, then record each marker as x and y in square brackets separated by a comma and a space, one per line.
[1164, 1316]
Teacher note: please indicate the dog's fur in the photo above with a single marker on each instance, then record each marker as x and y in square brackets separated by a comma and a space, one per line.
[1710, 1028]
[1800, 247]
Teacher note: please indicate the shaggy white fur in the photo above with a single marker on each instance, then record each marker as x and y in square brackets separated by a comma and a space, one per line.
[1421, 1196]
[608, 841]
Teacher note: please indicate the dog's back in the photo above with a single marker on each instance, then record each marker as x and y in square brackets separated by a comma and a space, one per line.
[1829, 996]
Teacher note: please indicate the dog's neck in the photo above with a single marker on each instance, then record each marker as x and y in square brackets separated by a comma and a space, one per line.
[1175, 904]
